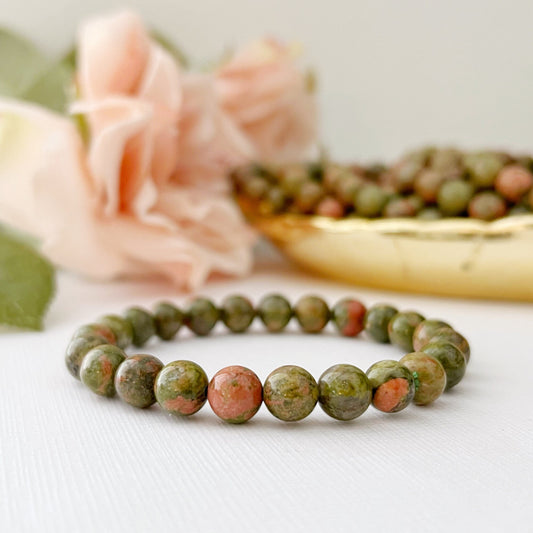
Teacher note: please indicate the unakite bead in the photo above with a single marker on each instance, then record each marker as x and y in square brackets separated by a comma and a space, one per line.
[121, 328]
[451, 358]
[312, 314]
[235, 394]
[370, 200]
[447, 334]
[344, 392]
[348, 315]
[290, 393]
[483, 168]
[275, 312]
[377, 321]
[143, 325]
[181, 388]
[401, 328]
[78, 348]
[454, 196]
[135, 378]
[202, 316]
[487, 205]
[99, 367]
[168, 320]
[429, 375]
[237, 313]
[424, 331]
[393, 386]
[429, 213]
[99, 330]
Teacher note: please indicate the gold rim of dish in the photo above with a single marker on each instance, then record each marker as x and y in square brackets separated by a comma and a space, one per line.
[453, 257]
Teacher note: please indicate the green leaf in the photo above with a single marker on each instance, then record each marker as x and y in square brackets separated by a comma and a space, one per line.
[27, 284]
[27, 74]
[170, 47]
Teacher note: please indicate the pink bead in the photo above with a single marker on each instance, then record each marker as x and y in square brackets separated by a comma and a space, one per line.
[235, 394]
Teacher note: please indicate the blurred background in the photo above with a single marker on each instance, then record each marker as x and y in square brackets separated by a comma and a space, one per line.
[392, 75]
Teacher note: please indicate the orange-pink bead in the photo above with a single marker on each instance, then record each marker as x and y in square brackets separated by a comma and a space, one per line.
[235, 394]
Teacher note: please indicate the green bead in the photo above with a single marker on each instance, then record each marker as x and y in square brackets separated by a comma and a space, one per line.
[393, 386]
[448, 334]
[451, 358]
[143, 325]
[429, 374]
[202, 316]
[78, 348]
[370, 201]
[181, 388]
[312, 314]
[275, 312]
[237, 313]
[401, 328]
[483, 168]
[290, 393]
[344, 392]
[99, 367]
[99, 330]
[121, 328]
[429, 213]
[377, 321]
[424, 331]
[168, 320]
[454, 196]
[135, 379]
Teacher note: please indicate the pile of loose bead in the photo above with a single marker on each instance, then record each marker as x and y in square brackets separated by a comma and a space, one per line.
[428, 184]
[95, 355]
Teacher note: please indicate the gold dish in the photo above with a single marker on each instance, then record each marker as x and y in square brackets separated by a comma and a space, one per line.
[453, 257]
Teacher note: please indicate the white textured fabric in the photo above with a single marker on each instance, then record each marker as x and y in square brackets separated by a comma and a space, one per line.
[70, 461]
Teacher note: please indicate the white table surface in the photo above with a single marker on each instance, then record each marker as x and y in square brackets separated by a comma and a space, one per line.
[71, 461]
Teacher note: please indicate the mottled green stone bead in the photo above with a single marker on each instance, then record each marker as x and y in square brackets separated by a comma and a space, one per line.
[78, 348]
[181, 388]
[143, 325]
[377, 320]
[348, 315]
[424, 331]
[168, 320]
[121, 328]
[344, 392]
[99, 330]
[275, 312]
[99, 367]
[454, 196]
[202, 316]
[448, 334]
[401, 328]
[451, 358]
[135, 379]
[393, 386]
[429, 374]
[370, 200]
[312, 314]
[237, 313]
[290, 393]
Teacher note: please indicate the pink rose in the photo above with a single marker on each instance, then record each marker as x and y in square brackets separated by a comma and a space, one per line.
[269, 98]
[128, 204]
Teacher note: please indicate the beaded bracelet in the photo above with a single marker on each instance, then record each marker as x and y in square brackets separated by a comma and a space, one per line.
[95, 355]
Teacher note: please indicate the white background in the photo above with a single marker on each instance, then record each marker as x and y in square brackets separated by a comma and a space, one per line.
[393, 75]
